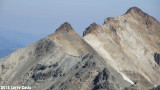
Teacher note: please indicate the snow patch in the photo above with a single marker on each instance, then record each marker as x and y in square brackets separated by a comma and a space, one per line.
[126, 78]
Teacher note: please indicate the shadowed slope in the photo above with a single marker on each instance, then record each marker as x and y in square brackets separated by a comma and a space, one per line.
[62, 60]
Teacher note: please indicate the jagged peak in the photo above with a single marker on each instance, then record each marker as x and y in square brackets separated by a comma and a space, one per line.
[91, 28]
[146, 18]
[66, 27]
[136, 10]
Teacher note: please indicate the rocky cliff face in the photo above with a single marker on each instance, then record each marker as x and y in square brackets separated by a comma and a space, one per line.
[129, 43]
[122, 54]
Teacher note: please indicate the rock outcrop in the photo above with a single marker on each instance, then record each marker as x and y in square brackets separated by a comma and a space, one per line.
[119, 55]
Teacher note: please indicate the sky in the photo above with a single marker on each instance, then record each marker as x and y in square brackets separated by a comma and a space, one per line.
[43, 17]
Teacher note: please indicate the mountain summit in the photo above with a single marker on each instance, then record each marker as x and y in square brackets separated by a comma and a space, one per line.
[66, 27]
[91, 28]
[134, 10]
[122, 54]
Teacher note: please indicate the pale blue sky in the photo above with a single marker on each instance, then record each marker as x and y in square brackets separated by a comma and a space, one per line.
[45, 16]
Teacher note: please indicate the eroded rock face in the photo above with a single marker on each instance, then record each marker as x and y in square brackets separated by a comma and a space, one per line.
[119, 55]
[43, 47]
[128, 43]
[101, 81]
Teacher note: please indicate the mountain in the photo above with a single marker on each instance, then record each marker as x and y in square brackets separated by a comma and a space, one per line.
[129, 43]
[122, 54]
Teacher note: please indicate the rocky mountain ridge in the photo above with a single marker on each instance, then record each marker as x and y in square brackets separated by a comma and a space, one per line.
[122, 54]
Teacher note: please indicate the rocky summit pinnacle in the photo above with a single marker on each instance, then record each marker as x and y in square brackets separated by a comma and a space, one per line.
[137, 11]
[66, 27]
[92, 27]
[142, 17]
[134, 10]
